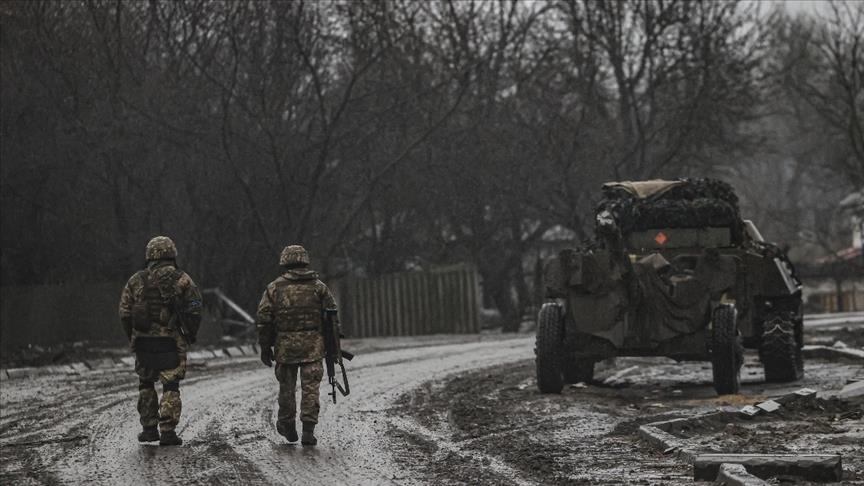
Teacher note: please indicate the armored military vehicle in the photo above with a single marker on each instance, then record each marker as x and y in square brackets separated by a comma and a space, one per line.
[673, 271]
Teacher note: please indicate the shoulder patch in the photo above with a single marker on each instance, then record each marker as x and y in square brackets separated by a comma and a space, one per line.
[185, 280]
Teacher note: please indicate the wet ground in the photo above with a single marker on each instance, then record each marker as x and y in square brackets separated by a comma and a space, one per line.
[425, 411]
[587, 435]
[81, 429]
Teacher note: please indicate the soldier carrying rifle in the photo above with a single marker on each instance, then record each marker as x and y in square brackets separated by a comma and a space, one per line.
[291, 320]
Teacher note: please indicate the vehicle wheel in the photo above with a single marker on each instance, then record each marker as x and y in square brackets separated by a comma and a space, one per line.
[780, 351]
[548, 346]
[727, 354]
[577, 370]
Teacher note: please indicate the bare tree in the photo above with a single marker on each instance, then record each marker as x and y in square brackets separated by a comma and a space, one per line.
[825, 69]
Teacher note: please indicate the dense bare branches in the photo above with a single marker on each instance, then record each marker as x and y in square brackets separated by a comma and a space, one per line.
[825, 70]
[383, 135]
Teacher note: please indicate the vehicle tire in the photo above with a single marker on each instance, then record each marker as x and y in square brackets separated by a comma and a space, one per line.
[780, 351]
[576, 370]
[727, 354]
[548, 348]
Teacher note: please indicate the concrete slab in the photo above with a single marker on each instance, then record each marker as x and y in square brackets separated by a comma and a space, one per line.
[15, 373]
[667, 443]
[199, 355]
[854, 389]
[832, 353]
[79, 367]
[750, 411]
[127, 361]
[768, 406]
[806, 393]
[101, 364]
[814, 467]
[737, 475]
[620, 374]
[55, 370]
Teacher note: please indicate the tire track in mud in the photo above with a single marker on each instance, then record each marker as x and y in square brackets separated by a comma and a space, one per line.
[227, 424]
[492, 426]
[495, 428]
[352, 433]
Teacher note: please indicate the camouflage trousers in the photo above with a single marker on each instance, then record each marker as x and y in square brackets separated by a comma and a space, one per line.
[310, 380]
[152, 410]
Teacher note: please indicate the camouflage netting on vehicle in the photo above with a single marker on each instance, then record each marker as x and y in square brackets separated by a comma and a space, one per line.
[697, 203]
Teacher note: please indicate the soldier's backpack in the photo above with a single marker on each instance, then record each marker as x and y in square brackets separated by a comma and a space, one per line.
[156, 302]
[155, 308]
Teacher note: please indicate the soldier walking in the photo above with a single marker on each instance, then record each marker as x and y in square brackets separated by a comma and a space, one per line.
[290, 319]
[160, 309]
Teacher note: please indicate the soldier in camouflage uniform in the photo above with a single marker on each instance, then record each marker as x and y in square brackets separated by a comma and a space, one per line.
[147, 306]
[290, 319]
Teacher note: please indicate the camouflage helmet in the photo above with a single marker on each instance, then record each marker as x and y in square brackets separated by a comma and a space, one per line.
[294, 256]
[161, 248]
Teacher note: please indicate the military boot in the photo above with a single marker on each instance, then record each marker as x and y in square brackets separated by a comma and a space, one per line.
[287, 430]
[169, 438]
[149, 434]
[309, 434]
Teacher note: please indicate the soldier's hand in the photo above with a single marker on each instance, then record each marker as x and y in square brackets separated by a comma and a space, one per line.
[267, 356]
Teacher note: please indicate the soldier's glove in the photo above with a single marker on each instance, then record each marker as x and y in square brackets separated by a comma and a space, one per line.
[127, 326]
[267, 356]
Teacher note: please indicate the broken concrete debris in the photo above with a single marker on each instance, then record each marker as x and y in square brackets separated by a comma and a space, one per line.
[832, 353]
[814, 467]
[749, 411]
[737, 475]
[768, 406]
[854, 389]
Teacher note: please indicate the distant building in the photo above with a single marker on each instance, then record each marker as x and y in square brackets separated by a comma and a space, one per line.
[854, 205]
[836, 282]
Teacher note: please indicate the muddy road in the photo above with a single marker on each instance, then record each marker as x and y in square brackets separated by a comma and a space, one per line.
[444, 413]
[81, 429]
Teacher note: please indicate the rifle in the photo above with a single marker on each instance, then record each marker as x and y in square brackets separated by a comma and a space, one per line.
[178, 322]
[333, 354]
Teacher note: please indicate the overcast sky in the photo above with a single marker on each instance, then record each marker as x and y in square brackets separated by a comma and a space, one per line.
[808, 6]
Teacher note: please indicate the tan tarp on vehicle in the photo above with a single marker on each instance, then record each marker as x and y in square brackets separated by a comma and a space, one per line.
[645, 189]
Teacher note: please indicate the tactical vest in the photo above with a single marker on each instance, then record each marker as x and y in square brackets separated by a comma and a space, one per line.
[157, 299]
[296, 306]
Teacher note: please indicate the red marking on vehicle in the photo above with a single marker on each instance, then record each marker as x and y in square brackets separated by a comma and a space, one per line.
[661, 238]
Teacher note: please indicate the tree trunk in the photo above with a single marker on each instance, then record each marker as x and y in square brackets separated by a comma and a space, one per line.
[499, 289]
[838, 283]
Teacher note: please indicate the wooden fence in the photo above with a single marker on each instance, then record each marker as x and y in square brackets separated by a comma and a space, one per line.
[52, 314]
[443, 300]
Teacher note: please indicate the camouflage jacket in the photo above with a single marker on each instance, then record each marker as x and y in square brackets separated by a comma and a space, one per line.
[184, 289]
[289, 316]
